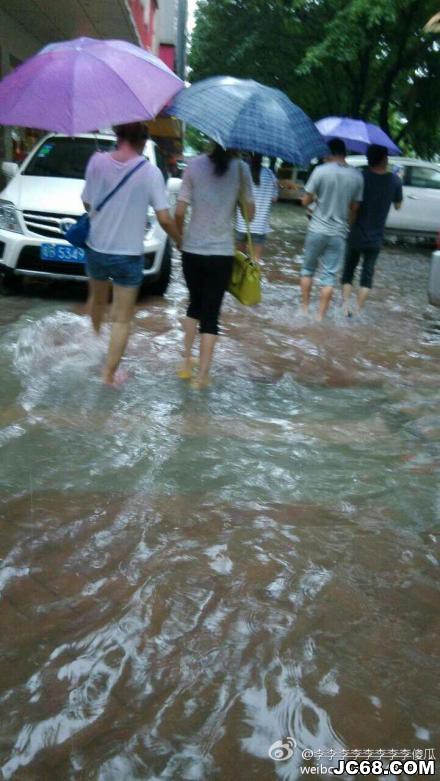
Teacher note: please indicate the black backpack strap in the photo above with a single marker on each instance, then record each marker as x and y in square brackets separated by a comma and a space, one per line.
[118, 186]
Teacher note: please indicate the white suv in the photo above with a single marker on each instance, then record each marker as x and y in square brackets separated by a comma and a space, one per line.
[420, 212]
[42, 200]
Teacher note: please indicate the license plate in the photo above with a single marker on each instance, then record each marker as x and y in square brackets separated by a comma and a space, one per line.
[63, 253]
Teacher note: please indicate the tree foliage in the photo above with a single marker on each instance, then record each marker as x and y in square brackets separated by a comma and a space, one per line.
[196, 140]
[356, 58]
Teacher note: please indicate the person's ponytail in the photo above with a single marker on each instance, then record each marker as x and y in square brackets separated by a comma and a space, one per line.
[255, 164]
[220, 158]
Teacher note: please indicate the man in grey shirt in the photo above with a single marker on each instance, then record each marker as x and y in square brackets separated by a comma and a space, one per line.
[337, 190]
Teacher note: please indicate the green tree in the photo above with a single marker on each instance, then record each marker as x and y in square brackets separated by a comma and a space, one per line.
[343, 57]
[196, 140]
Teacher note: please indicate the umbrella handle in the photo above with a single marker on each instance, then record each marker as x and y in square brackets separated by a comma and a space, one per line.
[246, 216]
[248, 231]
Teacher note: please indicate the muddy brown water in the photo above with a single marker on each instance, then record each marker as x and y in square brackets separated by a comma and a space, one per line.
[188, 577]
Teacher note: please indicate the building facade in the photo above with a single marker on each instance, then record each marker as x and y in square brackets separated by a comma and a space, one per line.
[161, 28]
[144, 14]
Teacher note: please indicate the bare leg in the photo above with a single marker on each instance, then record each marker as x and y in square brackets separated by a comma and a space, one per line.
[207, 344]
[347, 290]
[258, 251]
[306, 288]
[190, 330]
[124, 299]
[98, 301]
[242, 246]
[324, 301]
[363, 294]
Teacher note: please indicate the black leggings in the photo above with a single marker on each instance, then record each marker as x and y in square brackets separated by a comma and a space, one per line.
[207, 277]
[352, 259]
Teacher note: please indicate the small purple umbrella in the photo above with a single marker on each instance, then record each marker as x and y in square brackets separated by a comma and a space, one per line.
[358, 135]
[86, 84]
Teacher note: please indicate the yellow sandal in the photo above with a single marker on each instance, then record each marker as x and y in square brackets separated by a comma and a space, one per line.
[187, 374]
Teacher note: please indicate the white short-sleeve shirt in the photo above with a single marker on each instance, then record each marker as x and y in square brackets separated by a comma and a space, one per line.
[119, 228]
[213, 200]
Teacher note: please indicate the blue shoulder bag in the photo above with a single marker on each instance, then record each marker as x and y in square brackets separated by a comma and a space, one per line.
[77, 234]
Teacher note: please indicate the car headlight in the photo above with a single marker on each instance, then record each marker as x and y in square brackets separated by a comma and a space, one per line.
[9, 217]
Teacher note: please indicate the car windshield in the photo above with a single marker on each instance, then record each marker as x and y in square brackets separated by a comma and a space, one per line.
[65, 157]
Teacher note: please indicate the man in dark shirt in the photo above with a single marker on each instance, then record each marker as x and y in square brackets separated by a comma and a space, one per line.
[381, 189]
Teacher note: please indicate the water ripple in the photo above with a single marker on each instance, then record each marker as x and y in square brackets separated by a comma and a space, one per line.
[188, 578]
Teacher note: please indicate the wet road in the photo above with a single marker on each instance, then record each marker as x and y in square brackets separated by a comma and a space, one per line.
[189, 577]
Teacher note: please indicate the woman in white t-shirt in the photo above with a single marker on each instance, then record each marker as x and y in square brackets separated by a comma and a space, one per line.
[115, 244]
[212, 185]
[265, 190]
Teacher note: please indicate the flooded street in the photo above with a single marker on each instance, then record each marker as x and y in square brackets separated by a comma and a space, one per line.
[188, 577]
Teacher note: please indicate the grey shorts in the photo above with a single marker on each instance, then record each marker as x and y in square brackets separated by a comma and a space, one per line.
[330, 250]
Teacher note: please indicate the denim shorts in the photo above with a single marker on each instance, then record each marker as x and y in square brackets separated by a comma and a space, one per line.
[124, 270]
[257, 238]
[331, 251]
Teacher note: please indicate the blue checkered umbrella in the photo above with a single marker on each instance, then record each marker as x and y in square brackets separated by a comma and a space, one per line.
[243, 114]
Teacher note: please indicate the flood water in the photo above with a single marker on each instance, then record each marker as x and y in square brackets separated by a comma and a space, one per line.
[188, 577]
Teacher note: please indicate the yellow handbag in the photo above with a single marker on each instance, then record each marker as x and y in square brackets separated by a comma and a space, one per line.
[245, 282]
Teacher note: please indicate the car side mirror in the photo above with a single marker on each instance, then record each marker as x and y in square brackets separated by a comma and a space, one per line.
[9, 169]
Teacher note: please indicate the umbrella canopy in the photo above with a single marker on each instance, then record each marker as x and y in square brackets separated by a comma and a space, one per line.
[358, 135]
[86, 84]
[243, 114]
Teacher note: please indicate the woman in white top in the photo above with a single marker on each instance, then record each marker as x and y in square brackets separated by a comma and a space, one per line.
[265, 190]
[212, 186]
[115, 244]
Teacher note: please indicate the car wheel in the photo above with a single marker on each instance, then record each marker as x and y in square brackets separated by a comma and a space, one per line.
[11, 283]
[160, 285]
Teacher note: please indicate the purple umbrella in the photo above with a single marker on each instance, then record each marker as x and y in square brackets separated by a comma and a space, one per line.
[358, 135]
[86, 84]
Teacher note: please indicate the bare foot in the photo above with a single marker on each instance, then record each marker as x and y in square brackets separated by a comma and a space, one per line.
[114, 379]
[121, 376]
[199, 383]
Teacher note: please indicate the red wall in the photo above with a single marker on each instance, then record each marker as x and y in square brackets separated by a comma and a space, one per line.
[166, 53]
[146, 31]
